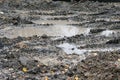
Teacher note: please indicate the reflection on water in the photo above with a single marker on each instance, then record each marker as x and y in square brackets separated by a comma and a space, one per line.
[56, 30]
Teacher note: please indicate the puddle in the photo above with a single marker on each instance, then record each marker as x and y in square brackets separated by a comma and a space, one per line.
[72, 48]
[108, 33]
[57, 22]
[56, 30]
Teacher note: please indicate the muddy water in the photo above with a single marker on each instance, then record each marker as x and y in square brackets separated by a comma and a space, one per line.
[59, 22]
[72, 48]
[56, 30]
[59, 28]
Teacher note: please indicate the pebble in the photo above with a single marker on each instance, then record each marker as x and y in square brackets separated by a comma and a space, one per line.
[52, 63]
[23, 60]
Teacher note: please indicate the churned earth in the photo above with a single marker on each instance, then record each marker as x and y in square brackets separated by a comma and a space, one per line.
[56, 40]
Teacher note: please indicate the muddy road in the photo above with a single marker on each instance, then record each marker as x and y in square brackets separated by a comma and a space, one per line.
[47, 40]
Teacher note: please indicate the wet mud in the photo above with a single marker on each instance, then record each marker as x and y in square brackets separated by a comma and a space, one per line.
[47, 40]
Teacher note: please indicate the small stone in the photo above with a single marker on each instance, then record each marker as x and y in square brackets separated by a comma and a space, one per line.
[96, 30]
[94, 54]
[21, 45]
[44, 36]
[66, 70]
[1, 45]
[46, 78]
[23, 60]
[119, 60]
[76, 78]
[69, 73]
[52, 72]
[87, 74]
[1, 12]
[24, 69]
[117, 63]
